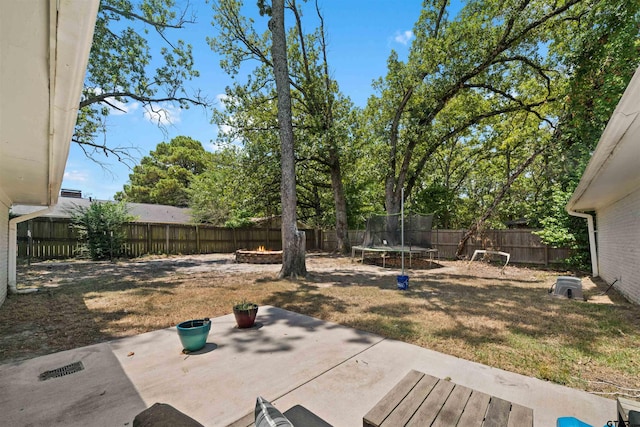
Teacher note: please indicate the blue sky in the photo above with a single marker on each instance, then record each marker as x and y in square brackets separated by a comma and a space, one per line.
[361, 34]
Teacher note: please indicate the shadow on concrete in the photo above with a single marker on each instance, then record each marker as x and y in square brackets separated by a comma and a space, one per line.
[208, 348]
[100, 394]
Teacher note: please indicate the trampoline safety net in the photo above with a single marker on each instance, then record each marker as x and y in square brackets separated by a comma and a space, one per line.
[385, 230]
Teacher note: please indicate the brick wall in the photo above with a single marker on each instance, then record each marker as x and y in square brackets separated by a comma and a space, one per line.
[618, 238]
[4, 248]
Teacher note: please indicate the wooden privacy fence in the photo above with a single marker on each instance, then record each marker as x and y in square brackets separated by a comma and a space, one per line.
[53, 238]
[524, 246]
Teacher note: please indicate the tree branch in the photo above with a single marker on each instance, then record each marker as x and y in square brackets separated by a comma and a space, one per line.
[493, 56]
[115, 107]
[496, 201]
[159, 26]
[103, 97]
[537, 67]
[411, 181]
[523, 106]
[441, 12]
[506, 41]
[120, 153]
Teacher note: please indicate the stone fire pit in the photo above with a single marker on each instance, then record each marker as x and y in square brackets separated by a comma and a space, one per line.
[259, 257]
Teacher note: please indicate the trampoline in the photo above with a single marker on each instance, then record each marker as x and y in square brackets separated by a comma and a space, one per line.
[383, 236]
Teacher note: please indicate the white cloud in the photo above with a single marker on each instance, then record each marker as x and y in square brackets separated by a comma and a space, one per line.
[76, 176]
[121, 107]
[117, 108]
[225, 100]
[403, 37]
[225, 129]
[163, 114]
[222, 98]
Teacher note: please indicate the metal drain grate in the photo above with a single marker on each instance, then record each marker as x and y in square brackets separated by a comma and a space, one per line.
[69, 369]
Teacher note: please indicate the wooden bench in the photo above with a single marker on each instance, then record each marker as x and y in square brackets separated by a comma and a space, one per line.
[423, 400]
[624, 406]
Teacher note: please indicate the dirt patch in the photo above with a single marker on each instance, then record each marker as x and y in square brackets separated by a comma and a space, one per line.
[501, 317]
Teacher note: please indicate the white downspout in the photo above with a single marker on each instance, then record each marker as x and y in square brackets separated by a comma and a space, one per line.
[592, 239]
[13, 248]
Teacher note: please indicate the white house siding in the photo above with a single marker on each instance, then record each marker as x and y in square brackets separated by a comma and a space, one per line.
[4, 248]
[619, 245]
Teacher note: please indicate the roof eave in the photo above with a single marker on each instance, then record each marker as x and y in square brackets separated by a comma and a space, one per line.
[45, 48]
[72, 43]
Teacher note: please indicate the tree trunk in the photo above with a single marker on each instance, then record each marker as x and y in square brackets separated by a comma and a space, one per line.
[293, 241]
[391, 196]
[342, 227]
[503, 191]
[339, 199]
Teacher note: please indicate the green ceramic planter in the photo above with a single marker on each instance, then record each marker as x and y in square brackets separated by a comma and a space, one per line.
[193, 333]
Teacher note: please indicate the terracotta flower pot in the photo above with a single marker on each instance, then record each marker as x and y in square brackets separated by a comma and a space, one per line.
[245, 315]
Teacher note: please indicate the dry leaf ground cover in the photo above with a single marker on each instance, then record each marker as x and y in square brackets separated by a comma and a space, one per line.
[502, 318]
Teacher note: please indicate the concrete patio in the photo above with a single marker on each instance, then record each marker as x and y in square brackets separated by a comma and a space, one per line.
[337, 372]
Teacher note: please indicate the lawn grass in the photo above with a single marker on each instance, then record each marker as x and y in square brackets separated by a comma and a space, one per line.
[501, 319]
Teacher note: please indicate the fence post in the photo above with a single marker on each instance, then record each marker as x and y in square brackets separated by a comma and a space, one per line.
[197, 239]
[29, 242]
[166, 246]
[148, 239]
[546, 254]
[235, 239]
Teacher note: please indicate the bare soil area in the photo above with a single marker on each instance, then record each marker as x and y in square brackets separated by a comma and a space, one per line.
[502, 317]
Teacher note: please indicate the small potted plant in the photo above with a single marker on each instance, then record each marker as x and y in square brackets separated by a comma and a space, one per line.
[245, 313]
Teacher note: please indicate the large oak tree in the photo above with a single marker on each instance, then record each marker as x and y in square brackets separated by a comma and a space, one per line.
[465, 76]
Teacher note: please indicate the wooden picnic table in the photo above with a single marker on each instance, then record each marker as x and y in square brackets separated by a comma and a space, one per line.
[423, 400]
[624, 406]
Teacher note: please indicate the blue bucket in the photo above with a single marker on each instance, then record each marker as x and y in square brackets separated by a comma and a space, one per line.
[403, 282]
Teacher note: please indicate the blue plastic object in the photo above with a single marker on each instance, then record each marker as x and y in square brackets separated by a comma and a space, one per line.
[403, 283]
[193, 333]
[571, 422]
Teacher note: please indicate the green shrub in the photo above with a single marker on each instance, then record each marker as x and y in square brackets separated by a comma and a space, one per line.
[101, 227]
[559, 229]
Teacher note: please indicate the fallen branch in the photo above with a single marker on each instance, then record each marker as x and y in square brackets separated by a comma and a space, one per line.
[600, 381]
[615, 393]
[622, 391]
